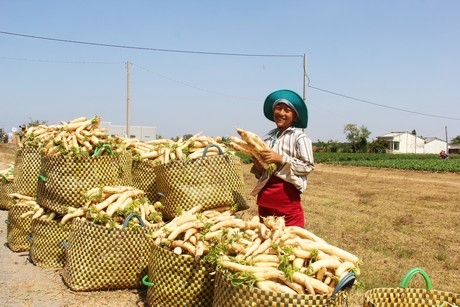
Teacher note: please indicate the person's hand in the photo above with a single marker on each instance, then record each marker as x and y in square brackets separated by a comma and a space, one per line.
[257, 165]
[269, 156]
[257, 168]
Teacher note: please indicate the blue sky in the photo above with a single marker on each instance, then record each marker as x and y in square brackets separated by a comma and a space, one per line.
[207, 66]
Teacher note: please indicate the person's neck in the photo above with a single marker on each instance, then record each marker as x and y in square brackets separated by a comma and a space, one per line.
[281, 131]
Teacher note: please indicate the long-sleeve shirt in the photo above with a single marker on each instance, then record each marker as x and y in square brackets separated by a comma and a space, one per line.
[296, 149]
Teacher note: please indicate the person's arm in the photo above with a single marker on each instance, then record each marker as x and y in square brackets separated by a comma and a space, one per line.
[303, 162]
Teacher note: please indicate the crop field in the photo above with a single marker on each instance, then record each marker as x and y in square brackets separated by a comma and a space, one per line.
[418, 162]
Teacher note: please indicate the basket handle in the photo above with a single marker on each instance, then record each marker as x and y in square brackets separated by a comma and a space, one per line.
[407, 278]
[209, 146]
[346, 282]
[130, 216]
[146, 282]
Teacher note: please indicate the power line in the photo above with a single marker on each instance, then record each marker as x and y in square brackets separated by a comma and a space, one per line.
[212, 53]
[381, 105]
[152, 49]
[56, 61]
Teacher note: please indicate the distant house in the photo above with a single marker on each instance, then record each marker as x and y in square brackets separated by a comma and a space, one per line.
[454, 149]
[142, 133]
[405, 142]
[434, 145]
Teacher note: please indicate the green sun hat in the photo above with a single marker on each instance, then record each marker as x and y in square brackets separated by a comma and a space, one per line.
[293, 100]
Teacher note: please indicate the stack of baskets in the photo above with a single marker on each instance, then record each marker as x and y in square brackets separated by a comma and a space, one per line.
[25, 174]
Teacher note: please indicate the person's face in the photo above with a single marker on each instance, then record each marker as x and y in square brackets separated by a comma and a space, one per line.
[283, 116]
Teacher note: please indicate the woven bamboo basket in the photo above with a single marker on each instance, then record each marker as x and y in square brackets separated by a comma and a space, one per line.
[48, 245]
[404, 296]
[6, 188]
[63, 181]
[143, 176]
[213, 182]
[226, 294]
[178, 280]
[99, 258]
[26, 170]
[18, 229]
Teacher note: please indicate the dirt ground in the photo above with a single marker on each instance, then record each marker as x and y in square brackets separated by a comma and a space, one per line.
[24, 284]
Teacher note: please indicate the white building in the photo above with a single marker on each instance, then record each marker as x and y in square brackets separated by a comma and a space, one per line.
[434, 145]
[142, 133]
[405, 142]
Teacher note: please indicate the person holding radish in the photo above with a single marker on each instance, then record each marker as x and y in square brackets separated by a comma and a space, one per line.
[278, 190]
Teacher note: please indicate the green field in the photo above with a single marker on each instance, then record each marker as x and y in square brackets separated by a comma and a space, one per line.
[419, 162]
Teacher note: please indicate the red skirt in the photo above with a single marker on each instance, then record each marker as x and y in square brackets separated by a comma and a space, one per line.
[281, 198]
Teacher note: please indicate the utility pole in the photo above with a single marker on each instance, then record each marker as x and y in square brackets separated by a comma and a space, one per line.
[447, 143]
[128, 116]
[304, 77]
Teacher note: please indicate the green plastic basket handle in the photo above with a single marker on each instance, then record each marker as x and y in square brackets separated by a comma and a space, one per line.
[346, 282]
[130, 216]
[146, 282]
[42, 178]
[209, 146]
[407, 278]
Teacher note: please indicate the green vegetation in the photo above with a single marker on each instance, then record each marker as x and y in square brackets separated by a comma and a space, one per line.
[414, 162]
[419, 162]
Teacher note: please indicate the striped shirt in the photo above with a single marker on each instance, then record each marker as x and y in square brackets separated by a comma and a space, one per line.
[296, 149]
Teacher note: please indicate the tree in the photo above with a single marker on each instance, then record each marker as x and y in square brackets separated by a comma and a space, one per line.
[455, 140]
[357, 137]
[377, 146]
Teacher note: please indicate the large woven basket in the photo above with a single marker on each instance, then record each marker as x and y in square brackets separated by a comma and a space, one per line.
[99, 258]
[143, 174]
[226, 294]
[404, 296]
[48, 246]
[6, 188]
[26, 170]
[18, 229]
[178, 280]
[64, 180]
[213, 182]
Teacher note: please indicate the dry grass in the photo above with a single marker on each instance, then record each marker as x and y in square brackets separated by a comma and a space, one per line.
[393, 220]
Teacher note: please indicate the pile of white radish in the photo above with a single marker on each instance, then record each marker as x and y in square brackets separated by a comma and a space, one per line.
[7, 174]
[268, 255]
[108, 206]
[163, 151]
[78, 137]
[26, 201]
[251, 144]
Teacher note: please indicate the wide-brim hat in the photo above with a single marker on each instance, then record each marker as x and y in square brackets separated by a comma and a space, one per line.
[290, 98]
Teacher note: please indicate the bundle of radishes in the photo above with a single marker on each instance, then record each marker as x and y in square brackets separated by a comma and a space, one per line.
[269, 255]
